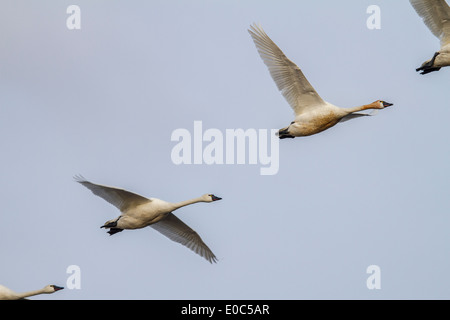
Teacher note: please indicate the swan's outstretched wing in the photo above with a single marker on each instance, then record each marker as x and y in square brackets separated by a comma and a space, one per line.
[358, 115]
[436, 15]
[120, 198]
[176, 230]
[353, 116]
[289, 79]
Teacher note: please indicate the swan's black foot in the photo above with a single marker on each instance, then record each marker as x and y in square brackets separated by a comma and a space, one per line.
[284, 136]
[428, 66]
[428, 70]
[114, 230]
[111, 224]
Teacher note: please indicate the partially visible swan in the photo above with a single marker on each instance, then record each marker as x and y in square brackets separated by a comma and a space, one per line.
[8, 294]
[312, 113]
[436, 16]
[139, 212]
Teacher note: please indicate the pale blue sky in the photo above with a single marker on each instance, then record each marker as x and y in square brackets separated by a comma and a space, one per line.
[103, 102]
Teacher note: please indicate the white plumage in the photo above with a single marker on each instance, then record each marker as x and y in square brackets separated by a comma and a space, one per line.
[139, 212]
[312, 113]
[436, 16]
[8, 294]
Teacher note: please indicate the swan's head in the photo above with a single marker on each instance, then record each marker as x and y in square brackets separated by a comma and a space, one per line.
[209, 197]
[383, 104]
[52, 288]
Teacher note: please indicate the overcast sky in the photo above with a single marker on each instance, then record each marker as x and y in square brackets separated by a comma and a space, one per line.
[104, 100]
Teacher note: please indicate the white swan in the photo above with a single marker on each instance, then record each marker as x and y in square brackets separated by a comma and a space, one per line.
[139, 212]
[313, 114]
[436, 16]
[8, 294]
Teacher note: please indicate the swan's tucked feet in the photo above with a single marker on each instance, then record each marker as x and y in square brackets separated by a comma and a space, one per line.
[114, 230]
[434, 58]
[284, 133]
[428, 70]
[111, 224]
[286, 136]
[427, 67]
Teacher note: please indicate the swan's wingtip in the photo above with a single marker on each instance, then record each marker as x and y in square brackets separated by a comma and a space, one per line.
[213, 260]
[255, 26]
[79, 178]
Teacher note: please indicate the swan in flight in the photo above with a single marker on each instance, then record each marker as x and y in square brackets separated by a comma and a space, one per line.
[139, 212]
[8, 294]
[436, 16]
[312, 113]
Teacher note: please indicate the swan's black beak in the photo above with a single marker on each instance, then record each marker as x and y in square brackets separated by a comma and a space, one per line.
[57, 288]
[214, 198]
[387, 104]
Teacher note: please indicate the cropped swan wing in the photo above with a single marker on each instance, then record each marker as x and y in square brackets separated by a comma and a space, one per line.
[436, 16]
[120, 198]
[176, 230]
[289, 79]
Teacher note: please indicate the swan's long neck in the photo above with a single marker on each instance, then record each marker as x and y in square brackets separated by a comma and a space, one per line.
[187, 202]
[360, 108]
[30, 293]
